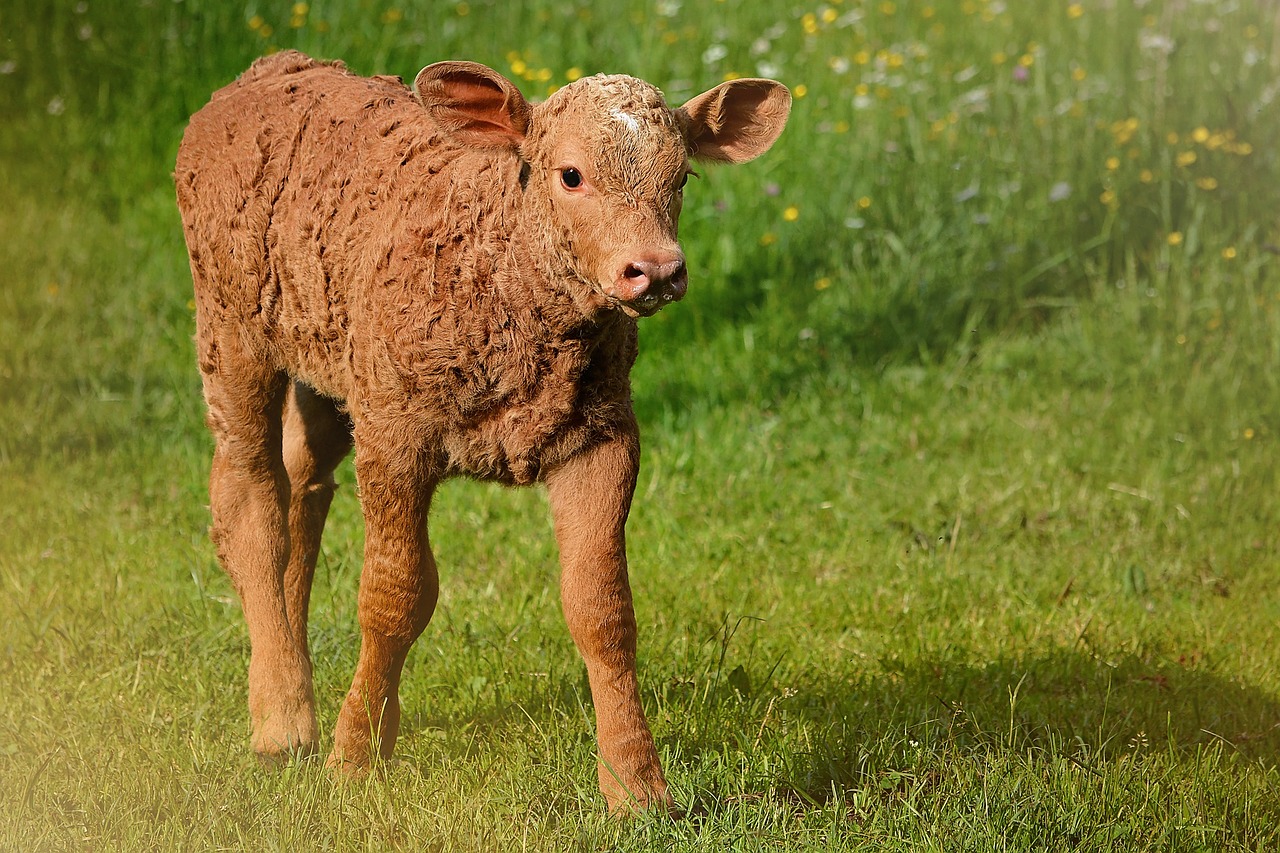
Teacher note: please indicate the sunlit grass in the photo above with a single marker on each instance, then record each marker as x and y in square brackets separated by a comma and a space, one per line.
[957, 526]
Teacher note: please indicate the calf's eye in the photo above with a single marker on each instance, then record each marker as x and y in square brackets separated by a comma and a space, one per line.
[571, 178]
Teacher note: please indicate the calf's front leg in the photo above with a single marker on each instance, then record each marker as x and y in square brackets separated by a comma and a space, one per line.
[590, 499]
[398, 590]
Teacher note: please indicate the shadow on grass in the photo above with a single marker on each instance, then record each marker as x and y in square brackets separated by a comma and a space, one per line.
[866, 733]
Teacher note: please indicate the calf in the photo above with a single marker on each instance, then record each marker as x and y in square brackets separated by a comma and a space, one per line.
[450, 279]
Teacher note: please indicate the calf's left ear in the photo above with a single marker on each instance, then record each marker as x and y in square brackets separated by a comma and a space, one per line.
[473, 103]
[736, 121]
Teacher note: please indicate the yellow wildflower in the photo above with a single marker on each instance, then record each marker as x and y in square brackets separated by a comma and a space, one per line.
[1174, 238]
[1185, 158]
[1075, 10]
[791, 214]
[1229, 253]
[800, 91]
[1207, 183]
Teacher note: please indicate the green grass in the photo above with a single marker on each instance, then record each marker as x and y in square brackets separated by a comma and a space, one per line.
[957, 527]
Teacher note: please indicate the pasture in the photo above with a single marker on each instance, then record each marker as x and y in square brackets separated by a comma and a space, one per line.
[958, 523]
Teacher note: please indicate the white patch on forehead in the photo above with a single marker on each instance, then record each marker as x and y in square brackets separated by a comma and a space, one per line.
[626, 119]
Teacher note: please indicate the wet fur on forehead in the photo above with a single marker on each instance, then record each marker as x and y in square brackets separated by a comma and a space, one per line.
[622, 121]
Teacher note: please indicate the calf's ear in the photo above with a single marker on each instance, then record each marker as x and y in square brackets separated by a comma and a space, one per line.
[736, 121]
[473, 103]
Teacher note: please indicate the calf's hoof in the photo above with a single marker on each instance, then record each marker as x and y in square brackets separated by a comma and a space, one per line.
[281, 736]
[643, 795]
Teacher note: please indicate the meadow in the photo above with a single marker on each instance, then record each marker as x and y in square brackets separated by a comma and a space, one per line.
[958, 525]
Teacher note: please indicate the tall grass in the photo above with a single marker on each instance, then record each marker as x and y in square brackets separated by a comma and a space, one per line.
[957, 526]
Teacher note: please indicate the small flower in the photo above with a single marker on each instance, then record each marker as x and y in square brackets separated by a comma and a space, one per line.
[299, 10]
[1229, 253]
[791, 214]
[864, 202]
[1020, 73]
[1075, 10]
[574, 73]
[1207, 183]
[999, 58]
[1185, 158]
[809, 23]
[822, 283]
[1200, 134]
[1171, 137]
[768, 238]
[1248, 434]
[1174, 238]
[256, 22]
[829, 15]
[392, 16]
[1108, 197]
[1113, 163]
[1146, 176]
[1060, 191]
[800, 91]
[1078, 74]
[56, 106]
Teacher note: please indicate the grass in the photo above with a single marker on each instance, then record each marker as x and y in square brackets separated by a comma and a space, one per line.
[957, 524]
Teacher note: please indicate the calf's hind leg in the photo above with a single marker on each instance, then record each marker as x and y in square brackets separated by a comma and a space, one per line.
[249, 500]
[317, 435]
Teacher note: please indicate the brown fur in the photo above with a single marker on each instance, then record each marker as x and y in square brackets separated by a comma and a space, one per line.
[420, 274]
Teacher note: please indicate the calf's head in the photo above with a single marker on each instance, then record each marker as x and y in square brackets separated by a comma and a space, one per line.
[606, 162]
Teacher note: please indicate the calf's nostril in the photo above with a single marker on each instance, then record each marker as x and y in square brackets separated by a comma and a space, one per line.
[633, 271]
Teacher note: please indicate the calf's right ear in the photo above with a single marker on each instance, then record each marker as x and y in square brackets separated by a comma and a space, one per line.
[473, 103]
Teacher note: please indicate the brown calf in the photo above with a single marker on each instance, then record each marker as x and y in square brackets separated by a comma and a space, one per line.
[448, 278]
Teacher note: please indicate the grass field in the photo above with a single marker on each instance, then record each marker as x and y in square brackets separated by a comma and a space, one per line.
[958, 526]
